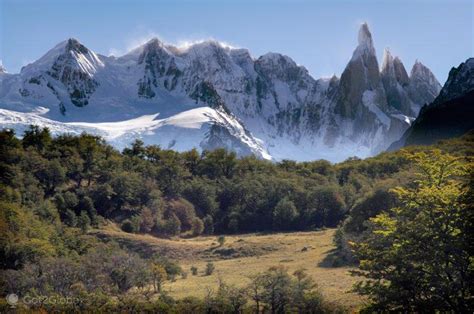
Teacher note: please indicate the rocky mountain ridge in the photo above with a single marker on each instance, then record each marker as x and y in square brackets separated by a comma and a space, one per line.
[275, 102]
[451, 114]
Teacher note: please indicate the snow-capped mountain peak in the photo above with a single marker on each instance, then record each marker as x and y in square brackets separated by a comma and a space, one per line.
[267, 105]
[70, 51]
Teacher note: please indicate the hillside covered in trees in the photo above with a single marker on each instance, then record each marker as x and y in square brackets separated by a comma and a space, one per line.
[53, 190]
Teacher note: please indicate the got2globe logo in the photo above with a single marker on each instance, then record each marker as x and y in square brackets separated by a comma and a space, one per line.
[12, 299]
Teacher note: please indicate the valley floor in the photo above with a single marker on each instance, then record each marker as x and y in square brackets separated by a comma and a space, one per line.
[242, 256]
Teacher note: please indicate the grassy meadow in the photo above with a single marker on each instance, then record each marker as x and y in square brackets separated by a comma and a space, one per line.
[242, 256]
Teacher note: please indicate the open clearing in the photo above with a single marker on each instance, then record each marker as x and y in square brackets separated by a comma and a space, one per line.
[242, 256]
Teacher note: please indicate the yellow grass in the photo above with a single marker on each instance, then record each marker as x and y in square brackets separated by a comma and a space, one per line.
[253, 253]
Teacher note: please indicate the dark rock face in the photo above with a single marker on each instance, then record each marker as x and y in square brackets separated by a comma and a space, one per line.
[360, 75]
[158, 64]
[451, 114]
[423, 87]
[460, 82]
[395, 81]
[219, 136]
[65, 69]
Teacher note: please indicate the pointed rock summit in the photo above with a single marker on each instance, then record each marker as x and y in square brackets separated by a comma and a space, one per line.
[387, 63]
[360, 75]
[365, 37]
[268, 101]
[73, 44]
[424, 86]
[395, 79]
[394, 68]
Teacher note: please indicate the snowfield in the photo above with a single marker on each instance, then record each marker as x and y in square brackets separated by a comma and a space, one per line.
[209, 95]
[184, 131]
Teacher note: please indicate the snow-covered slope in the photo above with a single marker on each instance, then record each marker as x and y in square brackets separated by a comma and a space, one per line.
[190, 129]
[269, 106]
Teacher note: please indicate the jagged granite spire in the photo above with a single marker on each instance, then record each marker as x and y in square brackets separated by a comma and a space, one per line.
[365, 38]
[360, 75]
[424, 86]
[395, 79]
[387, 63]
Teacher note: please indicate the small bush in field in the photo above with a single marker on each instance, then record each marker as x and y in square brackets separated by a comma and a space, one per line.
[221, 240]
[210, 268]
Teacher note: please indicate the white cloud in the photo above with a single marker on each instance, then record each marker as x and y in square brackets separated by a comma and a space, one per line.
[136, 42]
[132, 43]
[114, 52]
[182, 44]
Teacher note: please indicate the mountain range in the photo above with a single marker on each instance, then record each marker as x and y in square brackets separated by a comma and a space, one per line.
[451, 114]
[210, 95]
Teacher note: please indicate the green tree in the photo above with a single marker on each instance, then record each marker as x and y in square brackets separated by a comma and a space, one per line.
[147, 220]
[172, 225]
[138, 149]
[70, 218]
[51, 176]
[202, 195]
[284, 214]
[276, 292]
[218, 163]
[39, 138]
[197, 227]
[208, 224]
[159, 276]
[86, 204]
[83, 221]
[328, 206]
[418, 256]
[185, 212]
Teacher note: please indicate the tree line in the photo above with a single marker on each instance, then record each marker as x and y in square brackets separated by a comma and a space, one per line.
[54, 189]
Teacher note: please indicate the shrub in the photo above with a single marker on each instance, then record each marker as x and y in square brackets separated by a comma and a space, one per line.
[185, 212]
[194, 270]
[221, 240]
[127, 226]
[197, 227]
[210, 268]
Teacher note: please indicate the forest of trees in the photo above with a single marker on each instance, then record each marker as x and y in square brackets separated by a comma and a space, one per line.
[54, 189]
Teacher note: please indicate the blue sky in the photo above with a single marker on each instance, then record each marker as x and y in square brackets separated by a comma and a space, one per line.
[320, 35]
